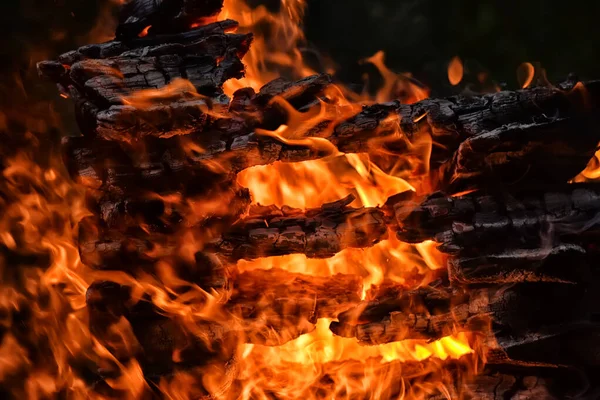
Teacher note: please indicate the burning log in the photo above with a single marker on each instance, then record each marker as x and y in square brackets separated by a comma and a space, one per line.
[149, 17]
[167, 212]
[103, 78]
[231, 143]
[266, 231]
[267, 307]
[544, 229]
[520, 321]
[277, 306]
[317, 233]
[196, 160]
[566, 263]
[501, 381]
[525, 217]
[162, 344]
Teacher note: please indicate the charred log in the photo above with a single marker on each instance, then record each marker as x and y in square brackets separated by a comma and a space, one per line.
[149, 17]
[226, 146]
[527, 218]
[521, 147]
[102, 78]
[266, 231]
[317, 233]
[526, 382]
[567, 263]
[167, 212]
[277, 306]
[265, 306]
[116, 316]
[513, 318]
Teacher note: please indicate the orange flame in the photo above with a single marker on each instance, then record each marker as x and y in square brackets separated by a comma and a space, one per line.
[455, 71]
[525, 74]
[144, 32]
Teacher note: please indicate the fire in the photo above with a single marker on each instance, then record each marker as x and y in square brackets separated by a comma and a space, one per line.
[525, 74]
[144, 32]
[267, 58]
[291, 369]
[43, 208]
[455, 71]
[299, 367]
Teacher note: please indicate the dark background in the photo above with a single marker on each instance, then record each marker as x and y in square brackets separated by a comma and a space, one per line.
[419, 36]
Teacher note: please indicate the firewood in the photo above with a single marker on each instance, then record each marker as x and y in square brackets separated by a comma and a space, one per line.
[526, 382]
[564, 262]
[156, 338]
[512, 316]
[266, 231]
[102, 78]
[527, 217]
[267, 307]
[276, 306]
[226, 146]
[232, 143]
[149, 17]
[167, 212]
[317, 233]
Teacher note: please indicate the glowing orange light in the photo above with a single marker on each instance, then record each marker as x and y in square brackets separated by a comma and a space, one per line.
[455, 71]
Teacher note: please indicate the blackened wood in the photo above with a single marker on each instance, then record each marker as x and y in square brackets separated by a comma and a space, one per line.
[512, 316]
[266, 231]
[317, 233]
[102, 78]
[525, 131]
[276, 306]
[113, 48]
[162, 344]
[525, 382]
[267, 307]
[501, 123]
[215, 151]
[163, 16]
[551, 263]
[533, 217]
[167, 212]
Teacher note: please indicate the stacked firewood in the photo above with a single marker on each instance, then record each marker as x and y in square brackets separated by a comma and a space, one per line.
[159, 168]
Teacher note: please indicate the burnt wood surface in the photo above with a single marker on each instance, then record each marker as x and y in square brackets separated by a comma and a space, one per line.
[524, 382]
[102, 79]
[513, 126]
[198, 160]
[317, 233]
[520, 320]
[528, 217]
[264, 232]
[563, 262]
[164, 16]
[542, 231]
[267, 307]
[276, 306]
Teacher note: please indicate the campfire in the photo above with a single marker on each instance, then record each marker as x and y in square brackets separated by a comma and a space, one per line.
[230, 223]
